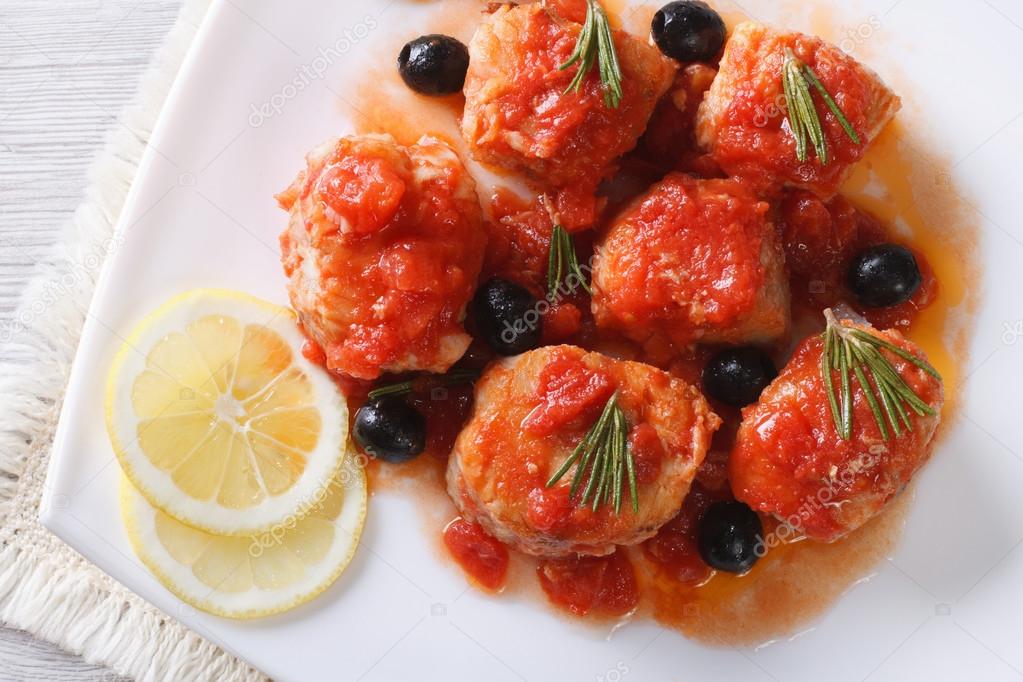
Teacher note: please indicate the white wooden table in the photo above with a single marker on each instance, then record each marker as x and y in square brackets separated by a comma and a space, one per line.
[67, 67]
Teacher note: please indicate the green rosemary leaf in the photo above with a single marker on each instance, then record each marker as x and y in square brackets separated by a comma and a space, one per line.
[826, 368]
[598, 466]
[857, 353]
[563, 469]
[900, 411]
[563, 262]
[604, 460]
[595, 45]
[904, 354]
[630, 467]
[871, 400]
[843, 369]
[893, 419]
[875, 407]
[573, 264]
[797, 79]
[554, 264]
[582, 45]
[602, 483]
[619, 460]
[397, 388]
[610, 69]
[795, 122]
[592, 444]
[898, 385]
[452, 378]
[811, 77]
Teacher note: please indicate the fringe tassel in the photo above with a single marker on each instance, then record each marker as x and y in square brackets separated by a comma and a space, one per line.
[46, 588]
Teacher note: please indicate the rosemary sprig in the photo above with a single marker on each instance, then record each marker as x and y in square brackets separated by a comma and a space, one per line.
[856, 353]
[563, 263]
[796, 80]
[605, 453]
[596, 45]
[452, 378]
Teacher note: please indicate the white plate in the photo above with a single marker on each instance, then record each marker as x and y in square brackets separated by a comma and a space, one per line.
[201, 214]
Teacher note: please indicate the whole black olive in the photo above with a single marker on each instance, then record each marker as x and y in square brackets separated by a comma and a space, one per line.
[507, 316]
[730, 537]
[688, 31]
[390, 429]
[434, 64]
[884, 275]
[737, 376]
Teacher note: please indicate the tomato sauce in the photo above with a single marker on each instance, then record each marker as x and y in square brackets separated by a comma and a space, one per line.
[669, 140]
[674, 552]
[591, 586]
[569, 392]
[518, 246]
[821, 239]
[484, 559]
[664, 577]
[518, 240]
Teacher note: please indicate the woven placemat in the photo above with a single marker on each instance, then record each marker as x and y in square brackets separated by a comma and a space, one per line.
[46, 587]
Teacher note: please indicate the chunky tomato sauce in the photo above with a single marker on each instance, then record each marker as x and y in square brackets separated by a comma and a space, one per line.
[518, 246]
[821, 238]
[483, 558]
[674, 550]
[591, 586]
[569, 391]
[518, 240]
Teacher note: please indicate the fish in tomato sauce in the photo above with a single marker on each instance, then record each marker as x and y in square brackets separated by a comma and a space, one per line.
[743, 122]
[789, 459]
[692, 260]
[382, 251]
[518, 115]
[530, 413]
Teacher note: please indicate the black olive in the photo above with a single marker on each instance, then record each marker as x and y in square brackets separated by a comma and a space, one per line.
[730, 537]
[737, 376]
[434, 64]
[884, 275]
[507, 316]
[390, 429]
[688, 31]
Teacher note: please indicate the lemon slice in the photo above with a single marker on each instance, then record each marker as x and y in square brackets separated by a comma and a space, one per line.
[250, 577]
[216, 416]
